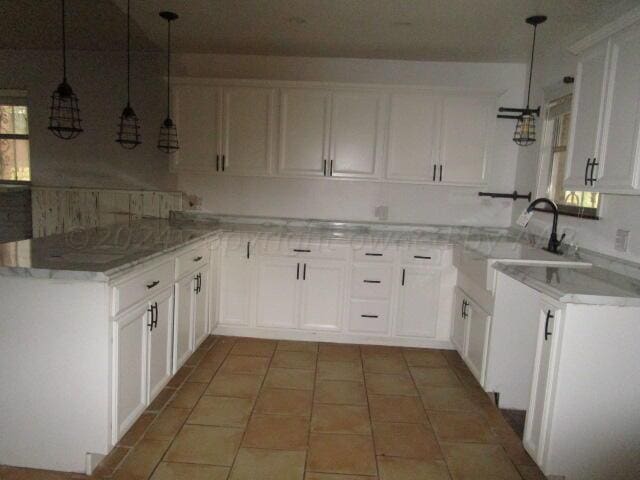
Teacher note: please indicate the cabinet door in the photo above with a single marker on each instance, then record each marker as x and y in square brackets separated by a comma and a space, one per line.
[214, 282]
[534, 430]
[304, 127]
[586, 116]
[418, 302]
[467, 128]
[197, 117]
[160, 346]
[460, 322]
[235, 287]
[620, 155]
[322, 295]
[277, 292]
[477, 340]
[201, 311]
[130, 370]
[356, 134]
[247, 130]
[413, 136]
[183, 321]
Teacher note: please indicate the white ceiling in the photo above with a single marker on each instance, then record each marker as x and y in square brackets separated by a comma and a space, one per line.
[435, 30]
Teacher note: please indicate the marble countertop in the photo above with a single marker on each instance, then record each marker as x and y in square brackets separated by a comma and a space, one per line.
[104, 252]
[582, 285]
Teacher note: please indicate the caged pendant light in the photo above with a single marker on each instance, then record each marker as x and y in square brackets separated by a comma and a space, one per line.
[525, 133]
[168, 139]
[64, 116]
[129, 127]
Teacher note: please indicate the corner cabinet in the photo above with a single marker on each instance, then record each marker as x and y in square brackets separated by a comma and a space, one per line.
[604, 146]
[331, 133]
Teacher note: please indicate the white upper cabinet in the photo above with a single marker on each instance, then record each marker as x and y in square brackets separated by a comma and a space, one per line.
[413, 135]
[620, 155]
[467, 128]
[586, 117]
[197, 118]
[356, 134]
[304, 127]
[248, 124]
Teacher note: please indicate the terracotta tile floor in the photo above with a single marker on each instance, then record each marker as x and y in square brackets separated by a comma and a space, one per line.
[254, 409]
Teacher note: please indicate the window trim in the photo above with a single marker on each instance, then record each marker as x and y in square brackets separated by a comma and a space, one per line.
[15, 98]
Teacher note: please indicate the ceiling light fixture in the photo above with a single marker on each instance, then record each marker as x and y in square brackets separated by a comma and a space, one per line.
[525, 133]
[64, 116]
[128, 128]
[168, 139]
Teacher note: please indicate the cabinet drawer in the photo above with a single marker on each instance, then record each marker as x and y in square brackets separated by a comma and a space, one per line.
[373, 254]
[141, 286]
[422, 255]
[290, 247]
[369, 317]
[189, 261]
[371, 281]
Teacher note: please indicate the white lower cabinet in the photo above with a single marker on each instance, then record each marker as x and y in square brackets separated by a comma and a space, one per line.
[418, 301]
[278, 292]
[460, 321]
[236, 282]
[143, 349]
[322, 295]
[470, 333]
[535, 436]
[201, 309]
[183, 346]
[477, 340]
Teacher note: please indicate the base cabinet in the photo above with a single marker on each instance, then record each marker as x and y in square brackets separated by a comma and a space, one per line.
[418, 302]
[236, 280]
[460, 321]
[322, 295]
[143, 353]
[278, 292]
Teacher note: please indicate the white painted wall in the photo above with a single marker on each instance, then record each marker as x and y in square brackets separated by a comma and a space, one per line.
[98, 78]
[618, 211]
[356, 200]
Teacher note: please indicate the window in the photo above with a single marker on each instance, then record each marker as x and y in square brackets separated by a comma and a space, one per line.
[554, 160]
[14, 138]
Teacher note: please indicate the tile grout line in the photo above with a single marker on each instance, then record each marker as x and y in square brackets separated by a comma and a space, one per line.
[313, 396]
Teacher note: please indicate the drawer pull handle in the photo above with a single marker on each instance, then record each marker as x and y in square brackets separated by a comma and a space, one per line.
[373, 254]
[153, 284]
[301, 250]
[422, 257]
[372, 281]
[197, 259]
[369, 316]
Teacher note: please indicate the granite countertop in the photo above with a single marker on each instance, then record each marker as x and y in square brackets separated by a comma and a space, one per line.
[583, 285]
[104, 252]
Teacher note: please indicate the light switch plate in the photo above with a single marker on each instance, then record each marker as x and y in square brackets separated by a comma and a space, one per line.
[622, 240]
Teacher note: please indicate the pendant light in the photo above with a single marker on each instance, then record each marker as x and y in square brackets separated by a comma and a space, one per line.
[64, 117]
[525, 133]
[128, 128]
[168, 139]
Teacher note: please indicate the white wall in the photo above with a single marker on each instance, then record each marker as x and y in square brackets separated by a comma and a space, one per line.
[617, 211]
[356, 200]
[93, 159]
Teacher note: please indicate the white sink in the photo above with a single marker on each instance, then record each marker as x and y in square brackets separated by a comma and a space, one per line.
[474, 259]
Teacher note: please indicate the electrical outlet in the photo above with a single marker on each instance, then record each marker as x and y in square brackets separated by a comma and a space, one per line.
[382, 212]
[622, 240]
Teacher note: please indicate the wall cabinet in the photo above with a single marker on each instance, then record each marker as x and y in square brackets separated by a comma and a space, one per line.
[330, 133]
[604, 150]
[418, 301]
[143, 351]
[228, 129]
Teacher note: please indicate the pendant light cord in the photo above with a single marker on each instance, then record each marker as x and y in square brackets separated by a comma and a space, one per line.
[169, 69]
[64, 46]
[533, 49]
[128, 52]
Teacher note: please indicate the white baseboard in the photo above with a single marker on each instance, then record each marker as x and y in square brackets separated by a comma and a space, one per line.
[336, 337]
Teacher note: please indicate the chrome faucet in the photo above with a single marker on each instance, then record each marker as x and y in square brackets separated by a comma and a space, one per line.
[554, 243]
